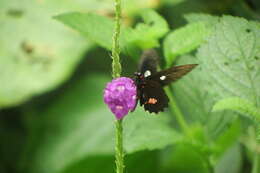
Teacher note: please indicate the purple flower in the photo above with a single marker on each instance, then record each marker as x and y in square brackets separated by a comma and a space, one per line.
[120, 96]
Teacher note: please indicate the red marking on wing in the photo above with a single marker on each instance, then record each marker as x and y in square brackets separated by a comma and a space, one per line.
[152, 101]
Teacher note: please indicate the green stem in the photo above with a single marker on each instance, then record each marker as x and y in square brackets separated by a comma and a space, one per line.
[256, 163]
[209, 165]
[119, 147]
[116, 66]
[256, 166]
[116, 71]
[177, 112]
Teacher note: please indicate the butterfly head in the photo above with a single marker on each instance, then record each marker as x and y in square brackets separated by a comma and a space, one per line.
[139, 77]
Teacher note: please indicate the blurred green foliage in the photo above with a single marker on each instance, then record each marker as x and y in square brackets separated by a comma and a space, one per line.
[52, 75]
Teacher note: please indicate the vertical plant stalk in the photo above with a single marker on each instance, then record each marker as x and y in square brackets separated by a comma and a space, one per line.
[177, 113]
[119, 147]
[116, 66]
[256, 160]
[256, 165]
[116, 71]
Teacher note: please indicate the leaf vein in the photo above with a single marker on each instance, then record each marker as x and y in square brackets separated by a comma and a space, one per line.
[247, 66]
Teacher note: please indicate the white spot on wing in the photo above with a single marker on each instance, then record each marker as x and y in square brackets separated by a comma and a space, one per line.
[147, 73]
[163, 77]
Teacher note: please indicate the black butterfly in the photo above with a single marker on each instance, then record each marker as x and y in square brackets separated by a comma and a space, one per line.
[150, 83]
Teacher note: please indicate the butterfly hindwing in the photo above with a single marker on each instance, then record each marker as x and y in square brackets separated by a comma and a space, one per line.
[172, 74]
[153, 97]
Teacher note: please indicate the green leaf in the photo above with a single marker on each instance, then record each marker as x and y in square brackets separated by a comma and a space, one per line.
[231, 162]
[36, 53]
[183, 158]
[134, 163]
[79, 125]
[239, 105]
[100, 30]
[146, 35]
[184, 40]
[135, 7]
[227, 139]
[209, 20]
[230, 60]
[140, 125]
[96, 28]
[195, 103]
[76, 124]
[92, 165]
[171, 2]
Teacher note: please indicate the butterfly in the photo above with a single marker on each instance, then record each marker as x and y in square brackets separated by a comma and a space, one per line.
[150, 82]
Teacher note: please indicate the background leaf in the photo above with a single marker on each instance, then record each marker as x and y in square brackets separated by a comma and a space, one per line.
[184, 40]
[184, 153]
[231, 162]
[196, 102]
[239, 105]
[91, 26]
[230, 59]
[34, 58]
[141, 124]
[92, 164]
[228, 138]
[146, 35]
[209, 20]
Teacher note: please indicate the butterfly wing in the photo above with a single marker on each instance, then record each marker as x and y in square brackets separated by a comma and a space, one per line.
[172, 74]
[153, 97]
[150, 82]
[148, 61]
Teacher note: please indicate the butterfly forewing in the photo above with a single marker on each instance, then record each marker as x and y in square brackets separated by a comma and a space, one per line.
[148, 63]
[172, 74]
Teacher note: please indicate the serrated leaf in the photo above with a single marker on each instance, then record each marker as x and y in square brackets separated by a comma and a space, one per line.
[78, 124]
[240, 105]
[230, 60]
[33, 59]
[196, 103]
[184, 40]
